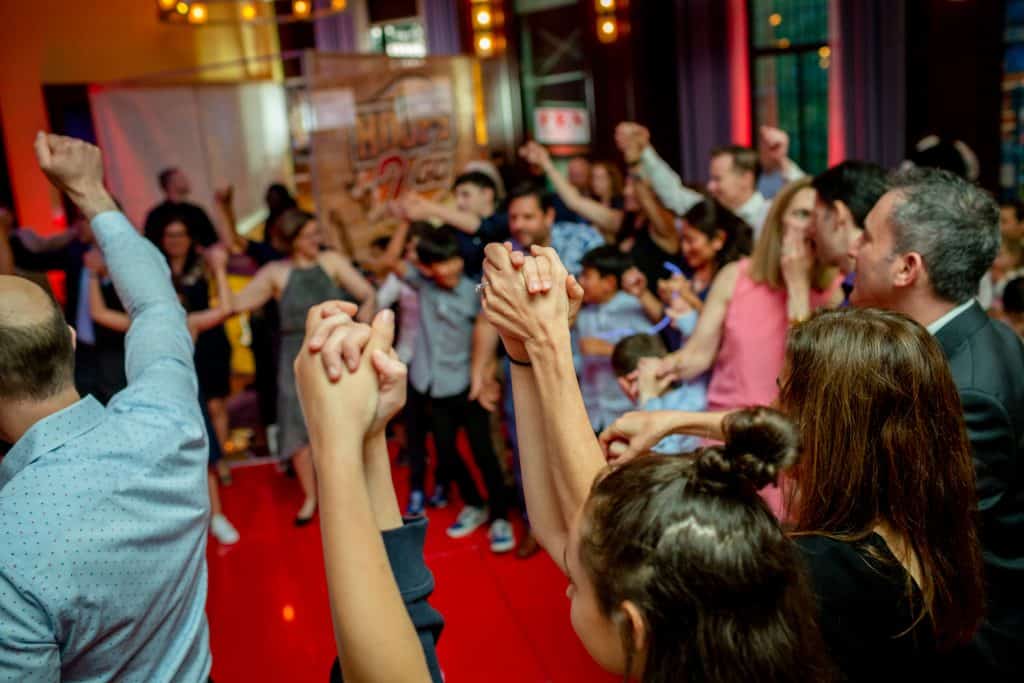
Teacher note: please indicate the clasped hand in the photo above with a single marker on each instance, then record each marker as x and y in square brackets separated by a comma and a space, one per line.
[349, 378]
[522, 294]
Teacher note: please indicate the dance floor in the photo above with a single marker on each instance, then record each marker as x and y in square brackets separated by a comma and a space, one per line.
[507, 619]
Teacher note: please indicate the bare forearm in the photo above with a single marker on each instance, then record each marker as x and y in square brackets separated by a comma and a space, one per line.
[798, 302]
[653, 308]
[375, 637]
[574, 452]
[379, 483]
[706, 425]
[462, 220]
[548, 519]
[605, 219]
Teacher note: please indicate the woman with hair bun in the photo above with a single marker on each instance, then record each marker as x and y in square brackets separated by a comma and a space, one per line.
[882, 500]
[678, 570]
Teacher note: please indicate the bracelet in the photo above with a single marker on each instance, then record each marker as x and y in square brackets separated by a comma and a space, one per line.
[520, 363]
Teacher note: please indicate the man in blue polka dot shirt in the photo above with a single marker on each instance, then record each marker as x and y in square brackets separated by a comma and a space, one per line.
[103, 512]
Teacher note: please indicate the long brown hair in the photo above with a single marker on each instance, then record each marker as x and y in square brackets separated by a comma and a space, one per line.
[765, 266]
[688, 540]
[884, 441]
[614, 177]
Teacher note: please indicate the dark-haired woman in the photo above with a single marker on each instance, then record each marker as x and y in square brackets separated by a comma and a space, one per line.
[883, 498]
[307, 277]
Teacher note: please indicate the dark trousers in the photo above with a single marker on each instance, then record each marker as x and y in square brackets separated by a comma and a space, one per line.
[447, 415]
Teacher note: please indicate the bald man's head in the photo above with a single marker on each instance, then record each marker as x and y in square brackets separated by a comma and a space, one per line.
[37, 352]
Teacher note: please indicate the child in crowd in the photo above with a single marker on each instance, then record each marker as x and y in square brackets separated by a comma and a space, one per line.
[609, 314]
[635, 354]
[439, 379]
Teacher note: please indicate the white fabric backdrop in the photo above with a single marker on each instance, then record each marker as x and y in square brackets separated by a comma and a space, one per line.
[217, 134]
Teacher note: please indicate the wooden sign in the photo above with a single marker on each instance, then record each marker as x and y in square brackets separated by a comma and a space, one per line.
[381, 127]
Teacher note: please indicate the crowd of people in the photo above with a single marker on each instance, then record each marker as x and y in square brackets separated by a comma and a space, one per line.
[769, 429]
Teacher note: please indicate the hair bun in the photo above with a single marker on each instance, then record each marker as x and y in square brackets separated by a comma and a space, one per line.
[759, 444]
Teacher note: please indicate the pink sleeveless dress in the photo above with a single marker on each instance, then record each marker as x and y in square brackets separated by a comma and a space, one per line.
[753, 349]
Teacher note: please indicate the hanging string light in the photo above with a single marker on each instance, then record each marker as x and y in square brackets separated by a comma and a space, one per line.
[488, 19]
[220, 12]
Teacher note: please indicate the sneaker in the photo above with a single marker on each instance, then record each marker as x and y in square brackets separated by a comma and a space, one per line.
[415, 507]
[503, 539]
[439, 499]
[223, 531]
[468, 521]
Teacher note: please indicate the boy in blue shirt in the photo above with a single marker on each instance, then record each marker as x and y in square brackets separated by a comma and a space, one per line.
[439, 378]
[608, 315]
[639, 354]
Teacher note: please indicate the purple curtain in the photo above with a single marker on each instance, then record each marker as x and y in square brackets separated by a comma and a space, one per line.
[336, 33]
[442, 27]
[873, 63]
[703, 68]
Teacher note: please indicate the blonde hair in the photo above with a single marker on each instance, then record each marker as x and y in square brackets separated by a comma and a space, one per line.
[765, 265]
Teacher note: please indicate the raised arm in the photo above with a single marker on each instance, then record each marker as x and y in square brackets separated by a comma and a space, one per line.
[635, 142]
[225, 202]
[606, 219]
[558, 417]
[417, 208]
[158, 347]
[635, 282]
[375, 637]
[660, 221]
[697, 356]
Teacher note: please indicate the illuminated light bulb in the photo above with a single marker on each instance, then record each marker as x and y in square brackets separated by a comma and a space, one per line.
[288, 613]
[783, 43]
[197, 15]
[775, 19]
[825, 52]
[301, 8]
[607, 30]
[485, 44]
[248, 11]
[606, 4]
[339, 5]
[182, 8]
[483, 18]
[167, 5]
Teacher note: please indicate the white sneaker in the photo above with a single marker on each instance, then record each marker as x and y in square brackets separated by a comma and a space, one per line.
[223, 531]
[468, 521]
[503, 539]
[272, 443]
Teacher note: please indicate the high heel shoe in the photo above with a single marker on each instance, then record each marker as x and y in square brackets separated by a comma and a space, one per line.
[310, 511]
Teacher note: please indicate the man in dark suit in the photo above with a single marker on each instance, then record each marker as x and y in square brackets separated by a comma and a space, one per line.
[926, 245]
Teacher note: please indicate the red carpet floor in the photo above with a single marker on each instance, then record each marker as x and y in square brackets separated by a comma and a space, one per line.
[507, 619]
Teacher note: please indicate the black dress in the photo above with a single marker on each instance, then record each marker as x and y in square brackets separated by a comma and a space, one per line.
[213, 350]
[866, 614]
